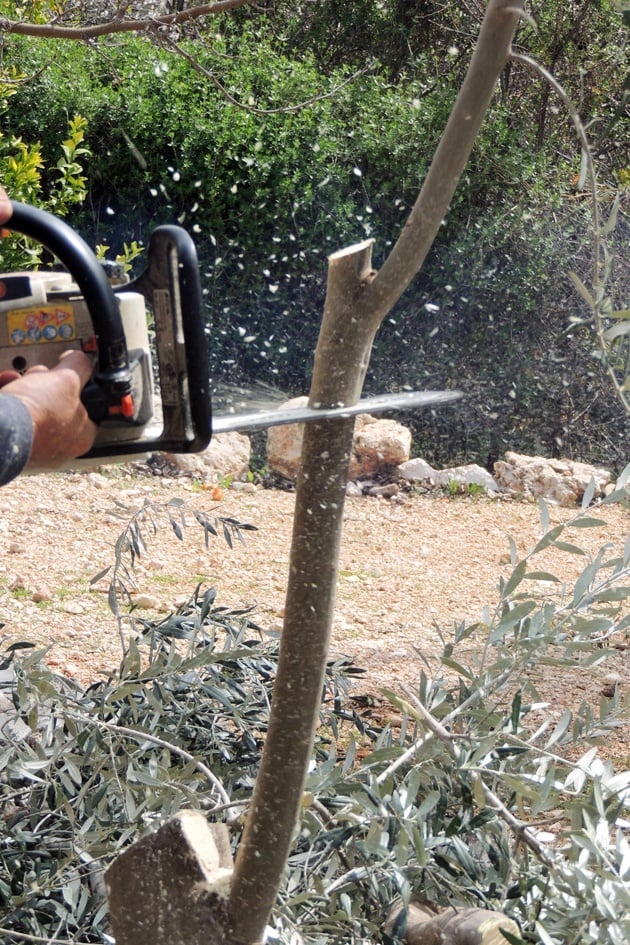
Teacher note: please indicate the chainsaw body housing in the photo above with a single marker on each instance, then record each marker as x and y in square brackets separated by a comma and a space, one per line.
[150, 388]
[43, 314]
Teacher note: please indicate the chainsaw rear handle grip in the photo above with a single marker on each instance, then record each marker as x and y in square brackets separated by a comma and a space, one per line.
[112, 380]
[171, 286]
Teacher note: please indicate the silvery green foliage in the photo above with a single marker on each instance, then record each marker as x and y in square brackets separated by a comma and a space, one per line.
[409, 817]
[180, 724]
[421, 804]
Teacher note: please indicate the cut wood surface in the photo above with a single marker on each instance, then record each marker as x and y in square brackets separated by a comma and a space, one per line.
[465, 926]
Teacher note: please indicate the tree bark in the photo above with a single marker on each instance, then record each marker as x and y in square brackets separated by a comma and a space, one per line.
[171, 887]
[357, 300]
[297, 692]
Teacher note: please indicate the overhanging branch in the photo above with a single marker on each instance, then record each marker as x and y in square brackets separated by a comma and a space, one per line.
[142, 25]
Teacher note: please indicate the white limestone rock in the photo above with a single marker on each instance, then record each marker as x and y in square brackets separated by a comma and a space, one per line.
[227, 455]
[418, 470]
[469, 475]
[378, 444]
[560, 481]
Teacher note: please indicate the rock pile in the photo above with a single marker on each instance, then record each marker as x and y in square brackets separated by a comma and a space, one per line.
[558, 481]
[471, 475]
[380, 456]
[561, 481]
[377, 444]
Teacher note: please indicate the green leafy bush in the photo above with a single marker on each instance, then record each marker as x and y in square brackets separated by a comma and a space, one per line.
[172, 728]
[27, 178]
[307, 162]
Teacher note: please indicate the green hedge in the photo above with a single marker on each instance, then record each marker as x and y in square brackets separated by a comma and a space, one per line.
[267, 193]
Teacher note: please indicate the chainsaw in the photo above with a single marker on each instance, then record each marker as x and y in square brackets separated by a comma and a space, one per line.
[150, 389]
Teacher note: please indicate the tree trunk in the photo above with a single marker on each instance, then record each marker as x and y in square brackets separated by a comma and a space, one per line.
[357, 300]
[339, 369]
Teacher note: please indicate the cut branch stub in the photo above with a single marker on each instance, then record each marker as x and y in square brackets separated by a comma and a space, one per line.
[466, 926]
[344, 344]
[172, 886]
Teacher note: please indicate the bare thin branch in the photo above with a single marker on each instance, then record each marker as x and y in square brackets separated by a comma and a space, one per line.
[26, 937]
[118, 24]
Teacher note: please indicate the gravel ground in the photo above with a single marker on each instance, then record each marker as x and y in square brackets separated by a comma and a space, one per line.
[410, 570]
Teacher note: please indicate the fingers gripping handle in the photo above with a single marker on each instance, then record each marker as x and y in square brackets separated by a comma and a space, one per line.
[111, 383]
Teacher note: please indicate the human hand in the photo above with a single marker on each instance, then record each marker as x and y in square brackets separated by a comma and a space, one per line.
[62, 429]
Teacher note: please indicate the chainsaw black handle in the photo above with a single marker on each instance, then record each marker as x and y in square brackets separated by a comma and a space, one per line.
[170, 284]
[82, 264]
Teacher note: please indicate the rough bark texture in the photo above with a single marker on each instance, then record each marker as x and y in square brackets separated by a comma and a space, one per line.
[118, 24]
[310, 598]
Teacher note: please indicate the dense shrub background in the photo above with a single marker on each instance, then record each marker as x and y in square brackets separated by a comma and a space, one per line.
[269, 189]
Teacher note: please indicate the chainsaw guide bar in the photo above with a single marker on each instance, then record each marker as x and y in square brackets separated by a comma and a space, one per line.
[262, 420]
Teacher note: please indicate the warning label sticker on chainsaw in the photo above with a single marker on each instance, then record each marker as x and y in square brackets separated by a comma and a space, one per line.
[33, 326]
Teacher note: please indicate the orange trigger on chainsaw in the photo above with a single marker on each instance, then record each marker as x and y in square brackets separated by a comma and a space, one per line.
[125, 408]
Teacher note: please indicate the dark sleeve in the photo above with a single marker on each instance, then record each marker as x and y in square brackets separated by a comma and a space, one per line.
[16, 437]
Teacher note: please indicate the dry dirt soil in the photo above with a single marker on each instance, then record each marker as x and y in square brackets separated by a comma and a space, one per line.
[410, 570]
